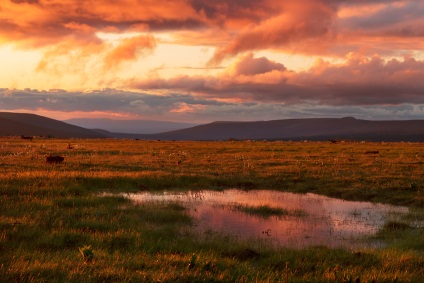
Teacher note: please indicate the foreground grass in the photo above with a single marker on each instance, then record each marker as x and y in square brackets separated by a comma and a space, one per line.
[49, 212]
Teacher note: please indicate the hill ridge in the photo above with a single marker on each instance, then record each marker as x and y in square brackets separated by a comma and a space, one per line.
[347, 128]
[301, 129]
[27, 124]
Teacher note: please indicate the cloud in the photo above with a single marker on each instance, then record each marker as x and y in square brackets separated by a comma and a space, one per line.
[105, 100]
[251, 24]
[358, 81]
[332, 28]
[129, 50]
[316, 27]
[42, 23]
[307, 24]
[248, 65]
[233, 14]
[361, 35]
[25, 1]
[400, 19]
[184, 107]
[69, 61]
[383, 27]
[365, 81]
[112, 102]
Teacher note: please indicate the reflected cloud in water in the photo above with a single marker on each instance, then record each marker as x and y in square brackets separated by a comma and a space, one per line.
[311, 220]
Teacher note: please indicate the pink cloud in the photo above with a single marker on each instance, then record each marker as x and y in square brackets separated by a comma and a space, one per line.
[248, 65]
[358, 81]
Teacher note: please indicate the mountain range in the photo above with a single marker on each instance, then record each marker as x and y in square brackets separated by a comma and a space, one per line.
[128, 126]
[348, 128]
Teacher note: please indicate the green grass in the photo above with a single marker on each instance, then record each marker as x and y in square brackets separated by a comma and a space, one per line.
[49, 213]
[265, 211]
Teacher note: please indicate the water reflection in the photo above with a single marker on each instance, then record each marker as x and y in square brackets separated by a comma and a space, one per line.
[324, 221]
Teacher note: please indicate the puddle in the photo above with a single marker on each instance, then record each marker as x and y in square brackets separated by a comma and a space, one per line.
[311, 219]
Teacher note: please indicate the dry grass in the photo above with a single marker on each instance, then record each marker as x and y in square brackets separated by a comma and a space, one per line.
[394, 175]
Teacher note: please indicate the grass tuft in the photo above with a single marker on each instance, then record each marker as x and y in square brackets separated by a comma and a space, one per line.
[265, 211]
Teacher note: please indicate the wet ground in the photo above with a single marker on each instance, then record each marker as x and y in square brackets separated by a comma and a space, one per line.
[311, 219]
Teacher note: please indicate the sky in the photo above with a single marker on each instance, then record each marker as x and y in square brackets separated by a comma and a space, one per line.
[200, 61]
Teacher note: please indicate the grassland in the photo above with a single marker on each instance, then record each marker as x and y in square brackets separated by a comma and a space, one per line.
[52, 217]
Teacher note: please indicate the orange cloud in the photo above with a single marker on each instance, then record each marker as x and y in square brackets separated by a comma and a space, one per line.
[40, 23]
[308, 26]
[129, 49]
[70, 58]
[67, 32]
[82, 28]
[128, 12]
[306, 21]
[182, 107]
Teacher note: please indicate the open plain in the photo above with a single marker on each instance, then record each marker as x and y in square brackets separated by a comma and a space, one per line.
[71, 221]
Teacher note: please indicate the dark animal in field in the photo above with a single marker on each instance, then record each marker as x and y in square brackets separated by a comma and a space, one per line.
[27, 137]
[54, 159]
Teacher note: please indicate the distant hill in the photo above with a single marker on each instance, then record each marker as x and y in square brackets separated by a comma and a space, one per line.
[129, 126]
[348, 128]
[17, 124]
[302, 129]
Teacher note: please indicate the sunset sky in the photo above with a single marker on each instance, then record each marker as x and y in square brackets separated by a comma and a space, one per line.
[206, 60]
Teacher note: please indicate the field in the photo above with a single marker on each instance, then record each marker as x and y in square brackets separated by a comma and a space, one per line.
[56, 224]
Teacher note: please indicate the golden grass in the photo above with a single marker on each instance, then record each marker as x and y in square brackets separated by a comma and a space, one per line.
[48, 212]
[344, 170]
